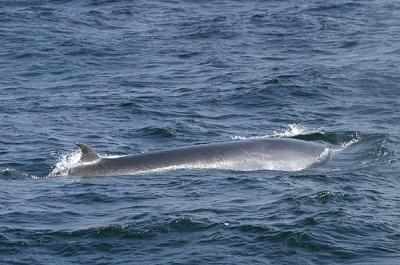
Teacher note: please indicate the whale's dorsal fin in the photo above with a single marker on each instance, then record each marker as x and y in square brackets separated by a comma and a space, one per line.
[88, 153]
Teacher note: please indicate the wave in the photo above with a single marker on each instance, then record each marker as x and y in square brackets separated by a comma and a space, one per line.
[291, 130]
[137, 229]
[10, 173]
[159, 132]
[298, 131]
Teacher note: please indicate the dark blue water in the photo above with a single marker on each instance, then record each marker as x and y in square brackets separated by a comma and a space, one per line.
[135, 76]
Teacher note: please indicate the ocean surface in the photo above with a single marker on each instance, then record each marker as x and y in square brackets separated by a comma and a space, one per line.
[129, 77]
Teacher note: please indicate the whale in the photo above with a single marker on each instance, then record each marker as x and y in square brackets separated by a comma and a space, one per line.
[283, 154]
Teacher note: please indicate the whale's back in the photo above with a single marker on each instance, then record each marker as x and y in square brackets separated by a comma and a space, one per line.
[245, 155]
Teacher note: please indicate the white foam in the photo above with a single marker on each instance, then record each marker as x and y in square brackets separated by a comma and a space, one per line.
[290, 130]
[64, 162]
[356, 138]
[325, 155]
[68, 160]
[10, 172]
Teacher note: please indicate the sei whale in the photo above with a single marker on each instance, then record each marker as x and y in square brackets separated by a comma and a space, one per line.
[245, 155]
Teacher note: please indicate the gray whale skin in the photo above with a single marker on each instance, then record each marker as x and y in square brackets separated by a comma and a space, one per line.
[283, 154]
